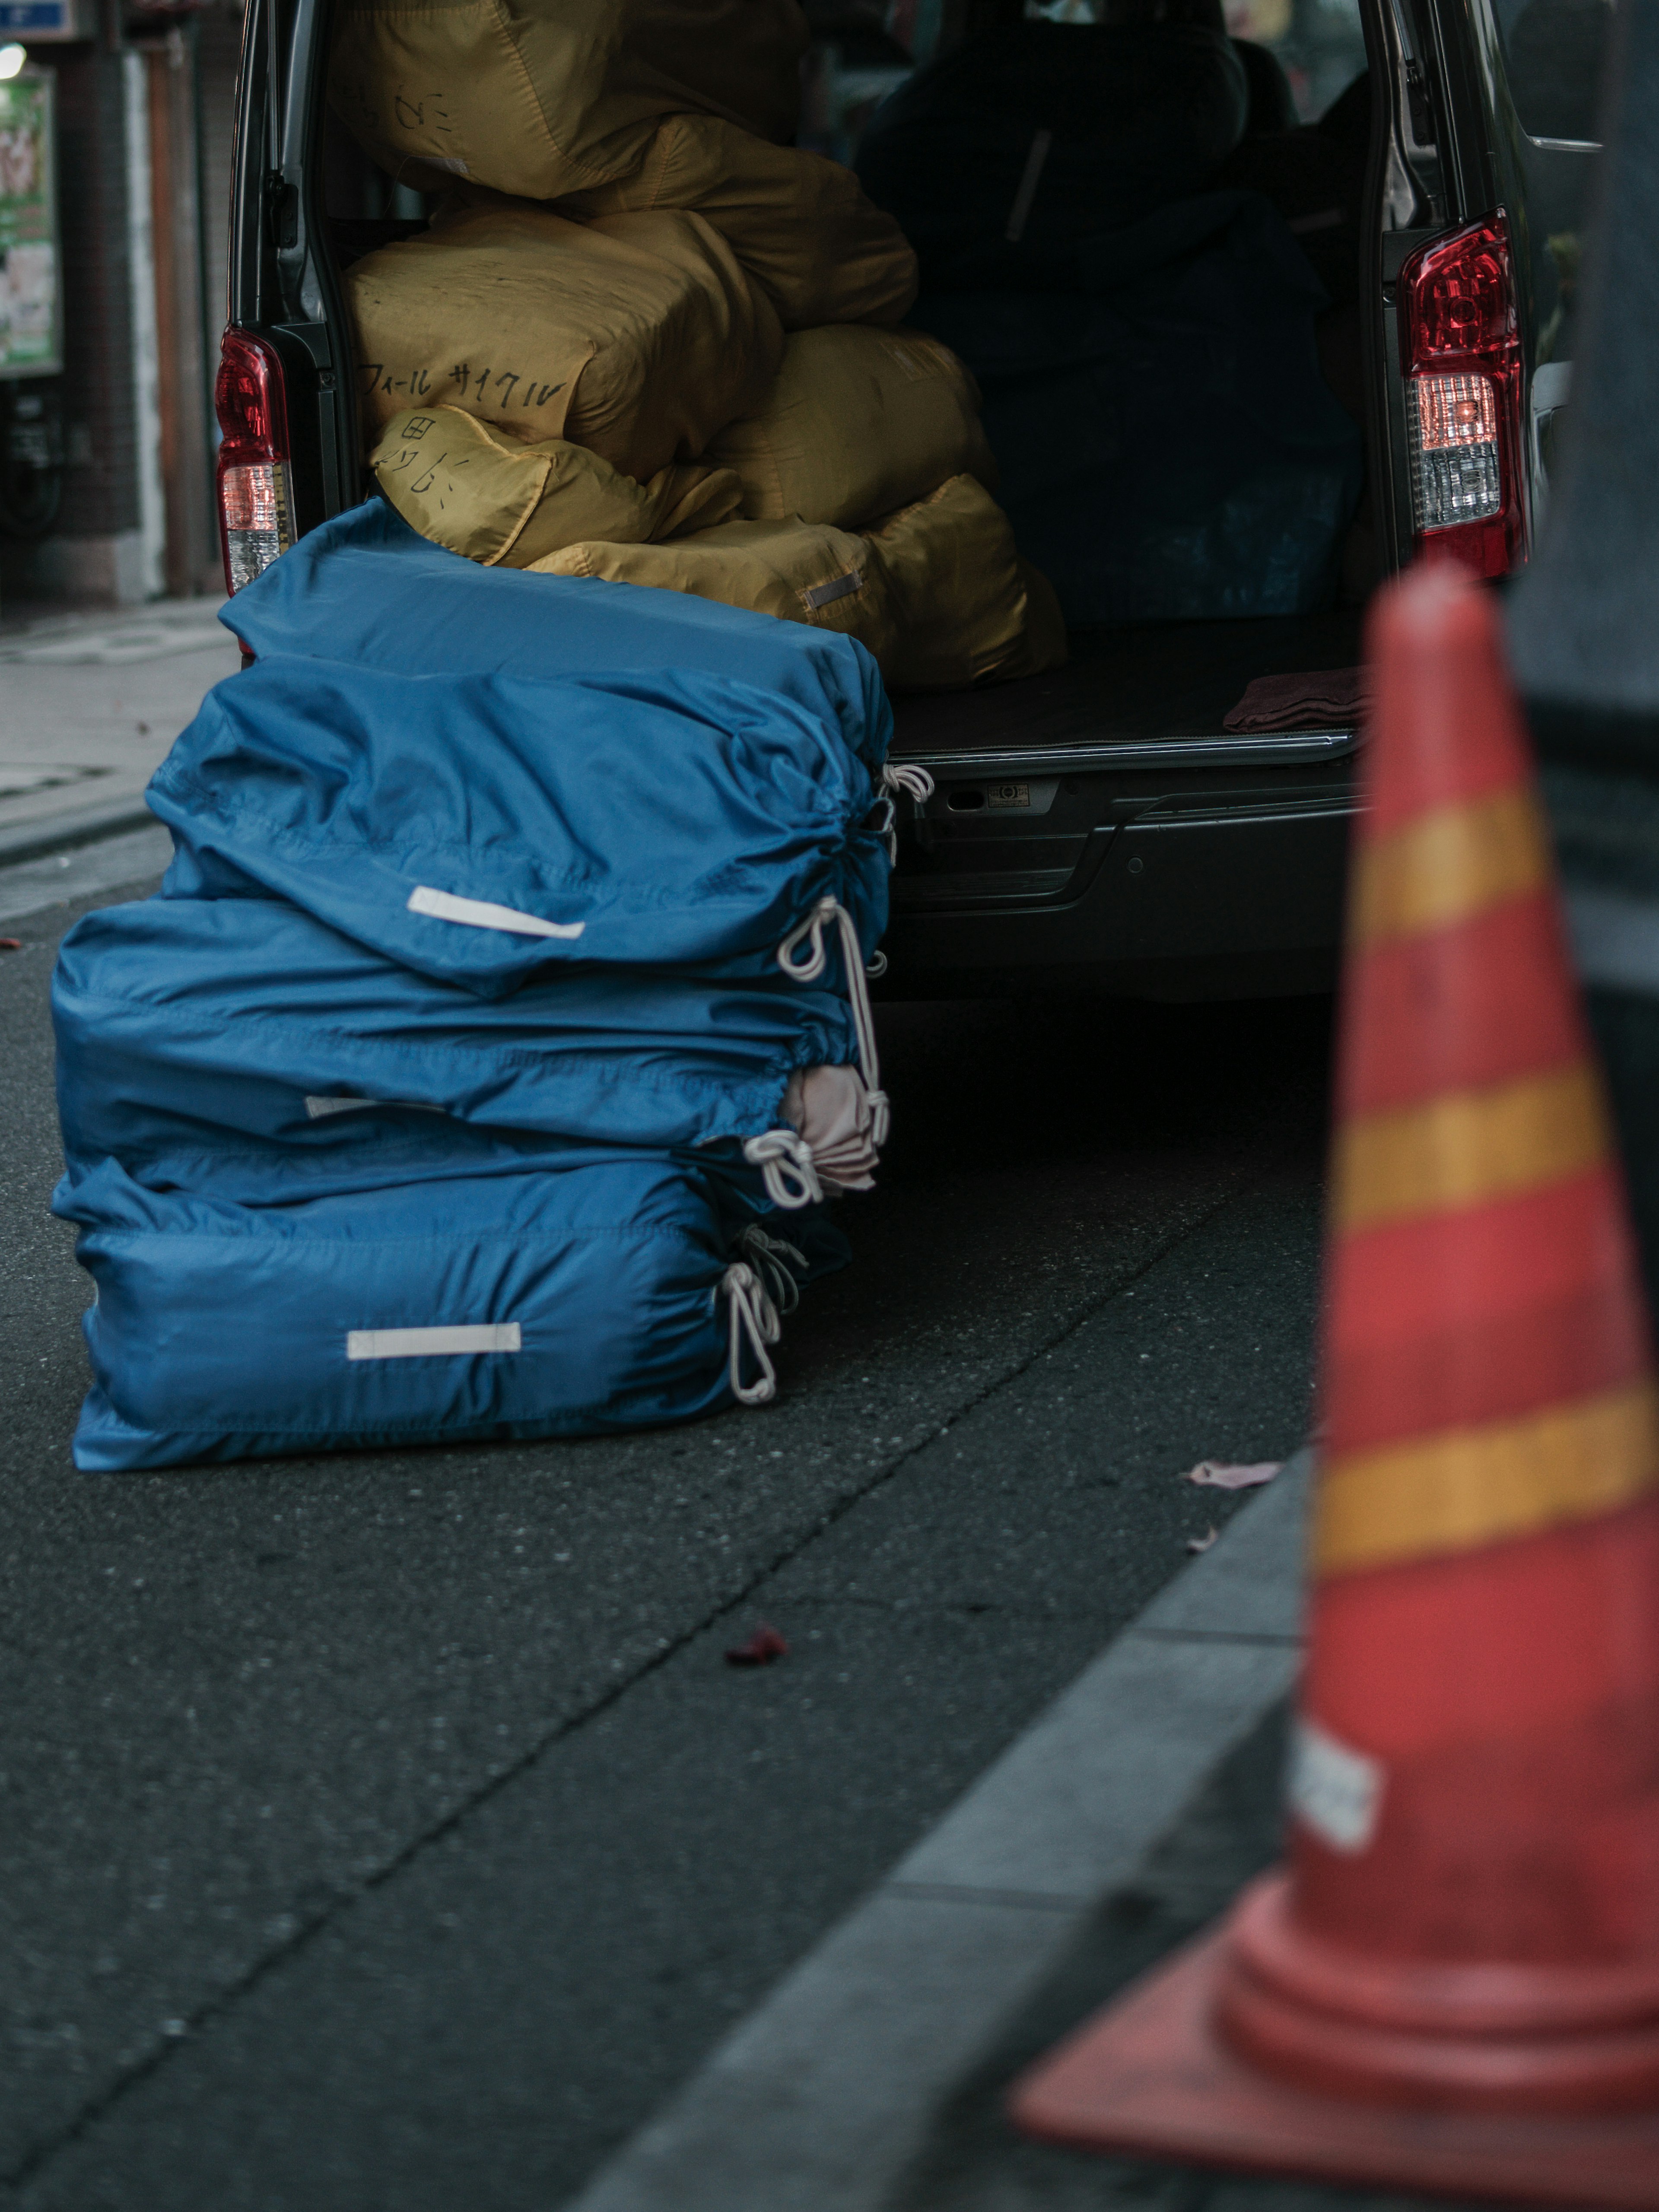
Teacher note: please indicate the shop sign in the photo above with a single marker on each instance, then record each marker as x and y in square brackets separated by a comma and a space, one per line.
[31, 320]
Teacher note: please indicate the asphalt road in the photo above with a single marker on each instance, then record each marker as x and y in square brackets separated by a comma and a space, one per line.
[385, 1832]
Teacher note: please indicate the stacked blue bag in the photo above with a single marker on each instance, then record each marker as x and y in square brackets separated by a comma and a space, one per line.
[450, 1087]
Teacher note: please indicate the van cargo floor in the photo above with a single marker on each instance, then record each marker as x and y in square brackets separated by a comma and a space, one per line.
[1153, 680]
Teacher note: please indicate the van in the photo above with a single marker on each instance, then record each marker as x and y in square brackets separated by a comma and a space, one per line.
[1102, 825]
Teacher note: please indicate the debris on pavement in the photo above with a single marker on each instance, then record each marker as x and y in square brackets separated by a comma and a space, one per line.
[761, 1649]
[11, 943]
[1202, 1543]
[1221, 1474]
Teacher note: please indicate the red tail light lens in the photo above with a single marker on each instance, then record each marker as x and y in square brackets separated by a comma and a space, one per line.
[1461, 351]
[255, 486]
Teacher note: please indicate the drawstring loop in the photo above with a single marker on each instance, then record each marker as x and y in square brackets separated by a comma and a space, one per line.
[774, 1261]
[906, 776]
[810, 934]
[751, 1314]
[916, 785]
[785, 1161]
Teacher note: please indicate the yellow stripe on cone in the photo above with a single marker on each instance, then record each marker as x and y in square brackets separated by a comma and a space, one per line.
[1469, 1147]
[1448, 867]
[1470, 1486]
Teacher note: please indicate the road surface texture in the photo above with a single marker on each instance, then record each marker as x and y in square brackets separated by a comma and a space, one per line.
[385, 1832]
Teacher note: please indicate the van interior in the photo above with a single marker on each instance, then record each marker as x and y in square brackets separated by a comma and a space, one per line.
[1145, 235]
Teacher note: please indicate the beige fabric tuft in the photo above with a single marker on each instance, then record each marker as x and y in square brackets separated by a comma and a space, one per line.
[639, 335]
[466, 486]
[936, 591]
[829, 1107]
[859, 421]
[544, 97]
[799, 222]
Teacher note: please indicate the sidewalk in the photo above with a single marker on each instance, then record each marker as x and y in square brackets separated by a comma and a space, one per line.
[91, 704]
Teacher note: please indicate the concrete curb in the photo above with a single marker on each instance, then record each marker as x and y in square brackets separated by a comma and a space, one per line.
[820, 2098]
[76, 826]
[60, 877]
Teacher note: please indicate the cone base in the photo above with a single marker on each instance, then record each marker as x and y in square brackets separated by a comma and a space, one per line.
[1150, 2079]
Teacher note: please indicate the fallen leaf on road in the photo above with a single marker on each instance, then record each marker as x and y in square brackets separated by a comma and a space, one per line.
[763, 1647]
[11, 943]
[1202, 1543]
[1216, 1474]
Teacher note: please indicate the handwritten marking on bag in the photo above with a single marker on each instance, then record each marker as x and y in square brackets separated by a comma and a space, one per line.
[535, 395]
[1333, 1789]
[378, 377]
[482, 914]
[429, 463]
[433, 1343]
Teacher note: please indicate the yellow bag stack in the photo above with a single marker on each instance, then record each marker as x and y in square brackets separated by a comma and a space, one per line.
[544, 97]
[936, 591]
[581, 369]
[857, 423]
[466, 486]
[799, 222]
[638, 335]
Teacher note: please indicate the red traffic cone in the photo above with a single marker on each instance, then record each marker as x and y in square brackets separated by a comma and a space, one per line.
[1454, 1985]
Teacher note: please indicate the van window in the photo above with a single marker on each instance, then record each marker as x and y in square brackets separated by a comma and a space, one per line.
[1319, 45]
[1553, 55]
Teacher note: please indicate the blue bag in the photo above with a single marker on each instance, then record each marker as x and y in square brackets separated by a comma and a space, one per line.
[605, 1291]
[367, 588]
[481, 828]
[240, 1049]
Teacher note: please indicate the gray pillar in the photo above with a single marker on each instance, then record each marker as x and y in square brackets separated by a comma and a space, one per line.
[1584, 620]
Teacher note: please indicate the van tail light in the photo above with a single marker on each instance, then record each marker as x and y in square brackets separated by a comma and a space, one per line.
[255, 485]
[1461, 355]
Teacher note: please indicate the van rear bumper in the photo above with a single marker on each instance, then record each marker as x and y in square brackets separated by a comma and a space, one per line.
[1195, 868]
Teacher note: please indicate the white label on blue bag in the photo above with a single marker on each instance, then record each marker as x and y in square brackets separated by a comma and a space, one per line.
[479, 913]
[432, 1343]
[318, 1109]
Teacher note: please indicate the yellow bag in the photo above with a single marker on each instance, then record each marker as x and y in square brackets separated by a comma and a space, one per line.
[464, 486]
[859, 423]
[964, 607]
[799, 222]
[937, 593]
[638, 335]
[543, 97]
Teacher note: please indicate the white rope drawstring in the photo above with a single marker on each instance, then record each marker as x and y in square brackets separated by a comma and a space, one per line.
[751, 1314]
[785, 1161]
[906, 776]
[916, 784]
[771, 1257]
[810, 932]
